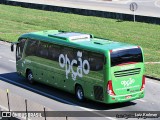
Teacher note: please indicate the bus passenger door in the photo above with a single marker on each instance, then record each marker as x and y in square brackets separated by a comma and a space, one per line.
[19, 55]
[31, 60]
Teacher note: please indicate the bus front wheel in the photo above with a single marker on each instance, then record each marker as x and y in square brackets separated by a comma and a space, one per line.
[79, 93]
[30, 77]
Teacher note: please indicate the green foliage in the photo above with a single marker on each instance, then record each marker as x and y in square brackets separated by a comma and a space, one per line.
[15, 21]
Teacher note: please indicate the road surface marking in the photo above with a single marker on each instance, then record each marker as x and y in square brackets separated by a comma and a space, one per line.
[111, 118]
[0, 57]
[141, 100]
[12, 61]
[143, 1]
[54, 97]
[4, 108]
[113, 1]
[156, 3]
[87, 109]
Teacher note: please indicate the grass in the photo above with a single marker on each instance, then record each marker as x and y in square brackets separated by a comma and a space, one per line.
[15, 21]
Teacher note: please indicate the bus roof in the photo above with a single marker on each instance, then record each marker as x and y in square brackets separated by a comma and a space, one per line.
[76, 40]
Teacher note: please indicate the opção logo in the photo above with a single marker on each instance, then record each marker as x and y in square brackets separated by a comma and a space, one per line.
[83, 66]
[128, 82]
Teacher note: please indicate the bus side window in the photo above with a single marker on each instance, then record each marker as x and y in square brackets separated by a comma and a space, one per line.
[31, 48]
[43, 50]
[69, 52]
[54, 52]
[19, 49]
[85, 56]
[96, 62]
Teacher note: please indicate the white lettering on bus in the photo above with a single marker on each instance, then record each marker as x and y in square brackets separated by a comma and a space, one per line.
[65, 62]
[127, 83]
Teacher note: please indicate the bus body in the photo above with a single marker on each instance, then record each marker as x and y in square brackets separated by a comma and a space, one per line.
[94, 68]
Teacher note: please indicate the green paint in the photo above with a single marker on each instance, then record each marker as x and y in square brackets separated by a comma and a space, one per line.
[89, 65]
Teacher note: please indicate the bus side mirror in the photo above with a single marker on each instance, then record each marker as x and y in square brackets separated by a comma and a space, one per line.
[12, 47]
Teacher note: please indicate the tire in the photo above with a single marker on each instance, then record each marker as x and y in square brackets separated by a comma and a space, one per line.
[30, 77]
[79, 93]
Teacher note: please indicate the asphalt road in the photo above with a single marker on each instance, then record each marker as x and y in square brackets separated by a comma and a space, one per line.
[62, 101]
[145, 7]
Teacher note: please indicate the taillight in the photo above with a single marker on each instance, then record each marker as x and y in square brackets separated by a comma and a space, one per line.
[143, 83]
[110, 88]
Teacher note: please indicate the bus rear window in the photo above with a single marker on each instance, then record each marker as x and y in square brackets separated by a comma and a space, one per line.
[126, 56]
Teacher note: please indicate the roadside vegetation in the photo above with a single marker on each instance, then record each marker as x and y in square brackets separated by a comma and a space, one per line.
[15, 21]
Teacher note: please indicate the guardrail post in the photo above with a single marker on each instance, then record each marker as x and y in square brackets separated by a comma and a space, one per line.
[44, 112]
[8, 99]
[26, 109]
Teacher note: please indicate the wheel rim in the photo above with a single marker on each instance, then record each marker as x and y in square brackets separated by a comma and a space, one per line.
[30, 77]
[80, 94]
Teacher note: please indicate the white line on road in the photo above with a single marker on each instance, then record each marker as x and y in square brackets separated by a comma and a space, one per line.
[111, 118]
[56, 98]
[143, 1]
[4, 108]
[12, 61]
[113, 1]
[141, 100]
[87, 109]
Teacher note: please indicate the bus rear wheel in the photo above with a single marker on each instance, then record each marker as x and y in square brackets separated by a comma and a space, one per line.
[79, 93]
[30, 77]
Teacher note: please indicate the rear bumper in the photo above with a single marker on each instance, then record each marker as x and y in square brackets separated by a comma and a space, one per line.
[122, 98]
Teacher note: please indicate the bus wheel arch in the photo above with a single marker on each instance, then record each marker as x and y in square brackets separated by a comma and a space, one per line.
[29, 76]
[79, 92]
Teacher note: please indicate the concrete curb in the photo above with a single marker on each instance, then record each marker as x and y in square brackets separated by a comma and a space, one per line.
[5, 41]
[153, 78]
[104, 14]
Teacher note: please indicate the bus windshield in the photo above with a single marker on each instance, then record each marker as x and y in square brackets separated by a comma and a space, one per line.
[120, 57]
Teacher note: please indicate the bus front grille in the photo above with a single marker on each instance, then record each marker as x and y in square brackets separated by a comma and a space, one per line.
[127, 72]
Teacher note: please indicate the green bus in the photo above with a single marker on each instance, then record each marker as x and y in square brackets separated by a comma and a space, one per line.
[89, 67]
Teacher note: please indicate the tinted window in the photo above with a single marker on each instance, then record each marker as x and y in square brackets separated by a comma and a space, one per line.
[54, 52]
[42, 50]
[96, 61]
[68, 52]
[31, 48]
[125, 56]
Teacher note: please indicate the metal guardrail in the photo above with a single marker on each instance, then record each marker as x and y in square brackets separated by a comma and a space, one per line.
[105, 14]
[18, 107]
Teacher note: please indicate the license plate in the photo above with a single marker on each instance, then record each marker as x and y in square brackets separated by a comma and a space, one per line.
[129, 96]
